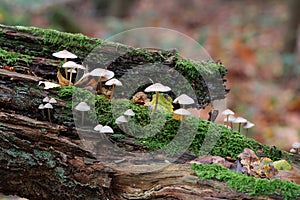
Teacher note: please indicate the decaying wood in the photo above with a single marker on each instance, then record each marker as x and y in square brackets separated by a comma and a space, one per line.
[43, 160]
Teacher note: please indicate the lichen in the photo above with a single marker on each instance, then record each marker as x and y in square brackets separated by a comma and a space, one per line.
[248, 184]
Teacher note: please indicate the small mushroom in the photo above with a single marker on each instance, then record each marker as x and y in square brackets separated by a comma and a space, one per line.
[293, 151]
[48, 85]
[248, 125]
[48, 106]
[182, 112]
[106, 129]
[227, 113]
[82, 107]
[240, 121]
[103, 75]
[296, 146]
[98, 127]
[113, 83]
[129, 113]
[53, 101]
[121, 119]
[46, 99]
[41, 107]
[69, 67]
[230, 119]
[64, 54]
[184, 100]
[157, 87]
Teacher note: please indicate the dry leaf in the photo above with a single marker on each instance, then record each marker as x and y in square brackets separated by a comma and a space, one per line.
[61, 80]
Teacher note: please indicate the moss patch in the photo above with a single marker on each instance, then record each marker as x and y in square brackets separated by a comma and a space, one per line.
[12, 58]
[248, 184]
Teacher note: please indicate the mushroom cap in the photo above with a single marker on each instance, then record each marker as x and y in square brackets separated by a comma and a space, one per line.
[72, 70]
[98, 127]
[248, 125]
[103, 73]
[48, 105]
[231, 118]
[296, 145]
[64, 54]
[121, 119]
[157, 87]
[82, 106]
[239, 120]
[106, 129]
[227, 112]
[48, 85]
[114, 81]
[129, 112]
[229, 127]
[52, 100]
[184, 99]
[69, 64]
[78, 66]
[41, 106]
[182, 111]
[293, 151]
[46, 99]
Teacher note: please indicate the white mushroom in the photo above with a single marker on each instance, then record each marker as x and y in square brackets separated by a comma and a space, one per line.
[129, 113]
[46, 99]
[41, 107]
[106, 129]
[121, 119]
[157, 87]
[52, 100]
[182, 112]
[184, 100]
[113, 83]
[230, 119]
[293, 151]
[296, 146]
[98, 127]
[82, 107]
[64, 54]
[103, 75]
[227, 114]
[248, 125]
[48, 85]
[69, 67]
[48, 106]
[239, 120]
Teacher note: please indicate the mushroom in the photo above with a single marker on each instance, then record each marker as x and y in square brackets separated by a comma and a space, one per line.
[48, 106]
[69, 67]
[184, 100]
[239, 120]
[98, 127]
[64, 54]
[293, 151]
[48, 85]
[129, 113]
[121, 120]
[106, 129]
[113, 83]
[82, 107]
[157, 87]
[230, 119]
[182, 112]
[227, 113]
[103, 75]
[46, 99]
[52, 100]
[296, 146]
[41, 107]
[248, 125]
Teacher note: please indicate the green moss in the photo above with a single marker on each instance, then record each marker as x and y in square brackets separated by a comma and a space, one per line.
[12, 58]
[248, 184]
[63, 40]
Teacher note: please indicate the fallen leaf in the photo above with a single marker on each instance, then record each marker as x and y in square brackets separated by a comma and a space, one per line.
[62, 80]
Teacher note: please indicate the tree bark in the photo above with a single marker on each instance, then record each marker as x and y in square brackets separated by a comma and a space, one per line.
[43, 160]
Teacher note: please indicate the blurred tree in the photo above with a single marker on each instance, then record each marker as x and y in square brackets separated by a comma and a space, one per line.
[116, 8]
[290, 40]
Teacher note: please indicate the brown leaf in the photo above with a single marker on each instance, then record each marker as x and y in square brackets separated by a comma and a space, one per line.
[62, 80]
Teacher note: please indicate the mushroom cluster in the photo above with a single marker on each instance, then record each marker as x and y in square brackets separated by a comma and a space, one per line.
[103, 129]
[48, 105]
[230, 119]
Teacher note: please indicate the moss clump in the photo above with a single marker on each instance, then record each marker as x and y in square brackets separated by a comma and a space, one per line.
[248, 184]
[12, 58]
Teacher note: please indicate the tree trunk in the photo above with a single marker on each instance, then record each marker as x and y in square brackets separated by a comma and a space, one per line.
[43, 160]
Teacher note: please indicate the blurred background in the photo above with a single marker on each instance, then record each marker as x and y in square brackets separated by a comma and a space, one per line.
[256, 41]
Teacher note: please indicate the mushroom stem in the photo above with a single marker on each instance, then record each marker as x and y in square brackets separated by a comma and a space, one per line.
[156, 102]
[112, 91]
[228, 121]
[240, 126]
[49, 115]
[43, 113]
[82, 117]
[71, 76]
[66, 70]
[100, 86]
